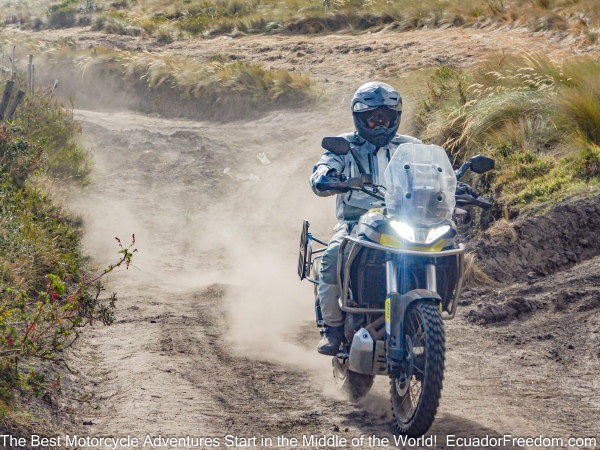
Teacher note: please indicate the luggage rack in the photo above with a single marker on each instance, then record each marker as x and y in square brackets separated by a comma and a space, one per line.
[306, 258]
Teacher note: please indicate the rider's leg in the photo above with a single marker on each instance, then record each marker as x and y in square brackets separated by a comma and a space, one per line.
[330, 307]
[329, 292]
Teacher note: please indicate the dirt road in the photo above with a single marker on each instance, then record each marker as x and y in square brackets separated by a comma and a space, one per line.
[215, 334]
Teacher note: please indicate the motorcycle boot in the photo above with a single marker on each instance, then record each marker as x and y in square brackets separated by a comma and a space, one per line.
[331, 340]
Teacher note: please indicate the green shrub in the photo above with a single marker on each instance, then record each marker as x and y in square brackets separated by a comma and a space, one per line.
[193, 24]
[164, 36]
[99, 23]
[50, 126]
[19, 158]
[114, 25]
[44, 299]
[62, 15]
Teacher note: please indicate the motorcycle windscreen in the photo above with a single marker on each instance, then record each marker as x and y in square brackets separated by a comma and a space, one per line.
[420, 184]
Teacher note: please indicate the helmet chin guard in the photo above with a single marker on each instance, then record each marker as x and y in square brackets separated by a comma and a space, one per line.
[379, 136]
[368, 97]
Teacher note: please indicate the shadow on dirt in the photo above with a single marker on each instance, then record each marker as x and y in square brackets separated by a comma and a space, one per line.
[373, 417]
[542, 245]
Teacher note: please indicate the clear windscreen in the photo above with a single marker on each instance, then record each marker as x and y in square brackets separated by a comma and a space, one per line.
[420, 184]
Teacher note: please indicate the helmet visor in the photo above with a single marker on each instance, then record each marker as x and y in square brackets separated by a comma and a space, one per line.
[361, 107]
[381, 115]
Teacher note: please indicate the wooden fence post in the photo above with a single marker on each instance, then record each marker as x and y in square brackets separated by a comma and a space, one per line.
[13, 105]
[6, 97]
[13, 74]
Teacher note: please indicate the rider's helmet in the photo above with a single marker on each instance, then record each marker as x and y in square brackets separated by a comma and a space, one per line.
[377, 108]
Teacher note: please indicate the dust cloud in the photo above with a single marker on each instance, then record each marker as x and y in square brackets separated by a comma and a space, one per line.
[206, 211]
[259, 230]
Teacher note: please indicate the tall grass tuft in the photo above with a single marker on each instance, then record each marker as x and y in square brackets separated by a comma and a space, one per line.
[538, 117]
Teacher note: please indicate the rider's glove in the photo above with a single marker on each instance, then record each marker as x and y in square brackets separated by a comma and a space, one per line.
[464, 188]
[332, 173]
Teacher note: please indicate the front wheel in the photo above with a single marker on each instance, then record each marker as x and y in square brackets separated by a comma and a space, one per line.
[416, 393]
[355, 385]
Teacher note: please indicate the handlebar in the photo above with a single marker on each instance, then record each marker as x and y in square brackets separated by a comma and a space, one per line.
[325, 183]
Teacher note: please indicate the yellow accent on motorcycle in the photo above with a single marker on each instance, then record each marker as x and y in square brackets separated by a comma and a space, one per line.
[389, 240]
[388, 310]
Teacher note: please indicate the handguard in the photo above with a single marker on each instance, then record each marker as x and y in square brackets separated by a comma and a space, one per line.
[328, 183]
[464, 188]
[342, 185]
[466, 199]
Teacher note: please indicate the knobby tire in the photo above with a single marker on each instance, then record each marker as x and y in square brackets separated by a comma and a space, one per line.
[413, 417]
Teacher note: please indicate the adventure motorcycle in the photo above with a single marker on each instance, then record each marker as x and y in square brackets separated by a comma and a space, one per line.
[400, 273]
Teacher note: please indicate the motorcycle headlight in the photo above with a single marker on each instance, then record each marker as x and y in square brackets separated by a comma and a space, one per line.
[419, 235]
[436, 233]
[405, 231]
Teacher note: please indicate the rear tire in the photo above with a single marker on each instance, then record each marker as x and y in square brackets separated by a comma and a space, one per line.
[355, 385]
[416, 395]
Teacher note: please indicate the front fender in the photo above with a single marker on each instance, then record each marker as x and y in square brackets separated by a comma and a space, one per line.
[396, 306]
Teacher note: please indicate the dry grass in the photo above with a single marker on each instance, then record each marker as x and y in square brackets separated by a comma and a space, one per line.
[538, 117]
[502, 230]
[475, 277]
[220, 88]
[181, 18]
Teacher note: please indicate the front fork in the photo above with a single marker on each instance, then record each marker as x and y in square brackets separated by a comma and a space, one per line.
[396, 305]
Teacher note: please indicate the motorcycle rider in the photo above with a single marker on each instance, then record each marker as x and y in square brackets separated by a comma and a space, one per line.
[376, 108]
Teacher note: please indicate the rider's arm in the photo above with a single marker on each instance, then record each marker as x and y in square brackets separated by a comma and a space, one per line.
[328, 163]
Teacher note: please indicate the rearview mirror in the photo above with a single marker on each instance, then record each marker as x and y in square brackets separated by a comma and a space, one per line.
[337, 145]
[481, 164]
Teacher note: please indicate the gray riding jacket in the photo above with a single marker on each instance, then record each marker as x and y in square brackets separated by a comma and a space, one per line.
[351, 205]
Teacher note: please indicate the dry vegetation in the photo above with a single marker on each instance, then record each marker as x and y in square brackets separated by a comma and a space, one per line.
[177, 19]
[218, 89]
[539, 118]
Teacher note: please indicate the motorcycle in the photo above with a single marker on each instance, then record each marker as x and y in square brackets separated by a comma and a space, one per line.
[400, 274]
